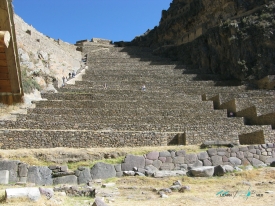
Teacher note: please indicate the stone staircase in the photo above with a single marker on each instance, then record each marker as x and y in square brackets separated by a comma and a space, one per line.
[178, 107]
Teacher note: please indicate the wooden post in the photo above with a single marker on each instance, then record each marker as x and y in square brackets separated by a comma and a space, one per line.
[4, 39]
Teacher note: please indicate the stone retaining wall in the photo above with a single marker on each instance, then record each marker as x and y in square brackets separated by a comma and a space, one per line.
[148, 164]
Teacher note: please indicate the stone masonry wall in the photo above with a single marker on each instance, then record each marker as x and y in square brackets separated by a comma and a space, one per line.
[148, 164]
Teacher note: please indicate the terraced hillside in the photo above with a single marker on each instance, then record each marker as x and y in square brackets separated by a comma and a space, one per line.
[108, 108]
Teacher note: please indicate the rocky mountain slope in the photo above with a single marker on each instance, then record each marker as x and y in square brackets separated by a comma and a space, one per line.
[234, 38]
[43, 59]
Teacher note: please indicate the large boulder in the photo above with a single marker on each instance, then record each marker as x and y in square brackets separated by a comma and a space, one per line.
[40, 175]
[132, 161]
[103, 171]
[206, 171]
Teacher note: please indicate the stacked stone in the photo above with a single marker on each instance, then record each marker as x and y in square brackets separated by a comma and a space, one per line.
[108, 108]
[156, 164]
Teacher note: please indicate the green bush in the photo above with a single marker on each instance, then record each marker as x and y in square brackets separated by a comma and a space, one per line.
[29, 84]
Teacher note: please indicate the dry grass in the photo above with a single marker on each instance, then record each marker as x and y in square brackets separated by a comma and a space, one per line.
[136, 191]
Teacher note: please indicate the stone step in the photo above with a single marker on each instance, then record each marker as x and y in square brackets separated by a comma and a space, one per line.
[139, 119]
[111, 112]
[171, 73]
[15, 139]
[92, 59]
[120, 95]
[123, 104]
[117, 82]
[201, 90]
[264, 105]
[199, 133]
[119, 125]
[224, 97]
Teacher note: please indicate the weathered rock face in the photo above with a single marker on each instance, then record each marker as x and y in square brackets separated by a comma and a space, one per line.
[42, 58]
[234, 38]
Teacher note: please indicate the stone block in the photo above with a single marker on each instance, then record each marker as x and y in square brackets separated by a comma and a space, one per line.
[190, 158]
[40, 175]
[235, 161]
[163, 159]
[203, 156]
[240, 155]
[243, 149]
[148, 162]
[99, 202]
[118, 167]
[212, 152]
[27, 192]
[216, 160]
[159, 174]
[169, 160]
[22, 170]
[258, 152]
[234, 149]
[152, 156]
[180, 167]
[251, 147]
[70, 179]
[119, 174]
[225, 159]
[181, 153]
[206, 171]
[63, 168]
[84, 176]
[4, 177]
[257, 163]
[157, 163]
[253, 151]
[263, 158]
[132, 161]
[167, 166]
[228, 168]
[264, 146]
[221, 153]
[179, 160]
[207, 163]
[103, 171]
[12, 167]
[256, 156]
[248, 154]
[23, 179]
[233, 154]
[173, 153]
[270, 145]
[165, 154]
[150, 170]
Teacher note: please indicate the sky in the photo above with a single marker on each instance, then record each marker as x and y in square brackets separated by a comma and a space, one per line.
[74, 20]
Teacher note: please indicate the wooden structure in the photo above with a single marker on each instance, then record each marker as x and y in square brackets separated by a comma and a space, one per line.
[11, 90]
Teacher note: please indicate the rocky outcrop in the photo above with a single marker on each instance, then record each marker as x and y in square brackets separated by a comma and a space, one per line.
[43, 59]
[234, 38]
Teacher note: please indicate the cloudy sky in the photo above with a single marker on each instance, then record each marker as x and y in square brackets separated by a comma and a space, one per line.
[73, 20]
